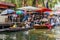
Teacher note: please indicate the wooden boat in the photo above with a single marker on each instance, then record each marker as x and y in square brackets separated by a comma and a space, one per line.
[42, 26]
[14, 29]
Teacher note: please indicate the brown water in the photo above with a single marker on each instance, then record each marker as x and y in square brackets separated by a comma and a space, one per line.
[33, 34]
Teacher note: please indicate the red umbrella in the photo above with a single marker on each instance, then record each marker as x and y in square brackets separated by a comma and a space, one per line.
[43, 10]
[38, 10]
[46, 10]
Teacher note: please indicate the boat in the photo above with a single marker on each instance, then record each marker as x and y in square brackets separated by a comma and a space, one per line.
[14, 29]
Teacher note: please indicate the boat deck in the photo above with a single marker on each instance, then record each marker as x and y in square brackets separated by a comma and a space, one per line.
[14, 29]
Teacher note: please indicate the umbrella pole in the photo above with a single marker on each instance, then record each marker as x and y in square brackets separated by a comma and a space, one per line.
[15, 22]
[41, 17]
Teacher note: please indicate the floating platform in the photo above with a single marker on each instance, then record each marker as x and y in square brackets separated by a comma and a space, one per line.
[14, 29]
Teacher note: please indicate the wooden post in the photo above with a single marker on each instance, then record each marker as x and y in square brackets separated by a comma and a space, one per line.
[36, 3]
[23, 3]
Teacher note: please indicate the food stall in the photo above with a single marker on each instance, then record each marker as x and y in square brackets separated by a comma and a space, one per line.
[44, 22]
[5, 5]
[3, 19]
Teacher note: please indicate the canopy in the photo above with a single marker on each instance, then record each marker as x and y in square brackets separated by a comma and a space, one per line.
[44, 19]
[46, 10]
[47, 13]
[28, 8]
[43, 10]
[7, 4]
[7, 11]
[56, 7]
[57, 12]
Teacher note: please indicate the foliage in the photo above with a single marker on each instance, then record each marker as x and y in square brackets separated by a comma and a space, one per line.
[18, 3]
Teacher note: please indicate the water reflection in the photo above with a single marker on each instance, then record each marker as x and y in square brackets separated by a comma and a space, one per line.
[22, 35]
[27, 35]
[8, 36]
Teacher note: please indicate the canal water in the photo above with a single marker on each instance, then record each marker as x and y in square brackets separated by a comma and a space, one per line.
[27, 35]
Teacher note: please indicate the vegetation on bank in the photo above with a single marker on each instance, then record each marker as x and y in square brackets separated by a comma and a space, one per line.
[19, 3]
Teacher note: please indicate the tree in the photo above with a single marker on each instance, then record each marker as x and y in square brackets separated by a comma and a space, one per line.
[20, 3]
[34, 3]
[29, 2]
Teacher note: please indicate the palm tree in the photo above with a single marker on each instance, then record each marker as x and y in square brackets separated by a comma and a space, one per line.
[34, 3]
[52, 3]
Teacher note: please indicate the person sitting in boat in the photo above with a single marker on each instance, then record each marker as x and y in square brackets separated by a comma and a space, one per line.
[48, 25]
[28, 22]
[14, 17]
[37, 21]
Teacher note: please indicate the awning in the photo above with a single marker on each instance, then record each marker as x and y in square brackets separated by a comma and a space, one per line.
[44, 10]
[3, 7]
[7, 4]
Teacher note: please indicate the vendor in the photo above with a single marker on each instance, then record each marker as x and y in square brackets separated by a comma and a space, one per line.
[37, 21]
[52, 20]
[27, 22]
[10, 17]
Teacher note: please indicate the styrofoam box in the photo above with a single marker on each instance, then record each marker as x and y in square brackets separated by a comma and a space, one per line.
[2, 18]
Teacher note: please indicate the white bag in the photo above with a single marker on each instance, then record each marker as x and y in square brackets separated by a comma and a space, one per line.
[27, 26]
[52, 23]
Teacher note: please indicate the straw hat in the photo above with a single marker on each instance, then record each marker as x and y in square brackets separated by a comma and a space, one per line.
[44, 19]
[51, 14]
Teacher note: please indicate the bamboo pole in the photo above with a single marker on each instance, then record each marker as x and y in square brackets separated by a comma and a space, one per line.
[22, 3]
[36, 3]
[16, 3]
[25, 4]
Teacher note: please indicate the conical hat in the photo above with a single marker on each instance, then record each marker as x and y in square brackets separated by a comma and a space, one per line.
[44, 19]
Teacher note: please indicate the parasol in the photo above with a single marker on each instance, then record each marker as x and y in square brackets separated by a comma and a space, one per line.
[44, 10]
[47, 13]
[28, 8]
[19, 12]
[44, 19]
[57, 12]
[7, 11]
